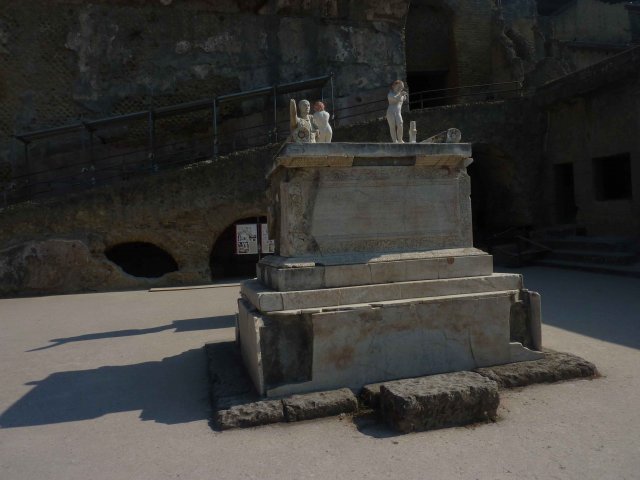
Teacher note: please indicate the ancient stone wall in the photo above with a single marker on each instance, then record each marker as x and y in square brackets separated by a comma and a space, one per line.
[59, 245]
[61, 59]
[592, 131]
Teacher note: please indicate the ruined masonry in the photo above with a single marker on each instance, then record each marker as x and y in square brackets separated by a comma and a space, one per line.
[375, 277]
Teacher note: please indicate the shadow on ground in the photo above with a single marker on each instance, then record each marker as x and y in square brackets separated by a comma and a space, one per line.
[173, 390]
[597, 305]
[189, 325]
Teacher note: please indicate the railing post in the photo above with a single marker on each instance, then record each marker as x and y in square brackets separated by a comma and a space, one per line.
[27, 167]
[215, 127]
[275, 113]
[333, 103]
[152, 140]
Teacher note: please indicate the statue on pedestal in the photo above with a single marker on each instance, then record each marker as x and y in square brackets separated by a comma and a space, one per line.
[396, 96]
[321, 120]
[302, 128]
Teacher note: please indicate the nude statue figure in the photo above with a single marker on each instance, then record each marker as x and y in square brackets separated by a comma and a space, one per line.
[321, 119]
[396, 96]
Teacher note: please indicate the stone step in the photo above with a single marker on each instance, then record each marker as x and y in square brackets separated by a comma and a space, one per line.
[607, 244]
[313, 273]
[594, 256]
[631, 270]
[265, 299]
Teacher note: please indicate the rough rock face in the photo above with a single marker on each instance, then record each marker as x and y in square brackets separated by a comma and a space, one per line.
[97, 59]
[437, 401]
[54, 266]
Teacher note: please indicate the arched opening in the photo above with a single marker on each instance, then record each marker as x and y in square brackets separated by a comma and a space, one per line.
[237, 250]
[493, 180]
[142, 259]
[430, 53]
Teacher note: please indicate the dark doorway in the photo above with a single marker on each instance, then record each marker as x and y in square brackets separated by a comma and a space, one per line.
[142, 259]
[612, 177]
[225, 262]
[564, 193]
[492, 176]
[428, 89]
[429, 53]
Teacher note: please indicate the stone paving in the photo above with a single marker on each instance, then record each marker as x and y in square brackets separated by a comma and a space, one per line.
[114, 385]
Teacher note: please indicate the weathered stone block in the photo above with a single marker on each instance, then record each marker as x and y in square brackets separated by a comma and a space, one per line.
[248, 414]
[437, 401]
[410, 207]
[554, 367]
[319, 404]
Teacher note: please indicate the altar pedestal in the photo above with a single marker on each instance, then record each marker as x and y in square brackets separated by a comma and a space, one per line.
[375, 276]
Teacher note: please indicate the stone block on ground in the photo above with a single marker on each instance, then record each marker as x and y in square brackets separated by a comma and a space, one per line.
[556, 366]
[240, 413]
[236, 404]
[319, 404]
[437, 401]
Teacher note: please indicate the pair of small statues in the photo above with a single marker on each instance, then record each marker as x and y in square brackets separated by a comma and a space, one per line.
[307, 128]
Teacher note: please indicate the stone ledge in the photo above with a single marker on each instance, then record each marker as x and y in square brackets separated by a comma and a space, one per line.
[555, 367]
[438, 401]
[267, 300]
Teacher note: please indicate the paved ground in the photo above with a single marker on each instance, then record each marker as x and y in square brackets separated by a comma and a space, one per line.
[113, 386]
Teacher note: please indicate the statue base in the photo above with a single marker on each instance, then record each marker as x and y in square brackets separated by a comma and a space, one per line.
[375, 276]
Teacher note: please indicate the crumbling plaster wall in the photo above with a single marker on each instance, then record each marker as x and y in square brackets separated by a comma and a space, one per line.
[58, 246]
[61, 59]
[592, 21]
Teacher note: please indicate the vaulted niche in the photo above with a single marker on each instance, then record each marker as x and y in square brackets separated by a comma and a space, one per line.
[429, 53]
[142, 259]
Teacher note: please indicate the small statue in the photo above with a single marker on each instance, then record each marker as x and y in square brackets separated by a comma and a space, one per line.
[396, 96]
[321, 120]
[302, 128]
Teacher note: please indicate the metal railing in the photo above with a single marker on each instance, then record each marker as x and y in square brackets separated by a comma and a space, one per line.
[94, 159]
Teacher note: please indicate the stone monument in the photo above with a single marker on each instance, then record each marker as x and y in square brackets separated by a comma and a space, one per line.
[375, 276]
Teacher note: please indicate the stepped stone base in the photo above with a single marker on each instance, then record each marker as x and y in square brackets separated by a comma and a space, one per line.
[293, 351]
[375, 277]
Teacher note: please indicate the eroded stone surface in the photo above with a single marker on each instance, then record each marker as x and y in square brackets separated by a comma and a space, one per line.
[248, 414]
[319, 404]
[437, 401]
[420, 204]
[556, 366]
[236, 403]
